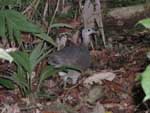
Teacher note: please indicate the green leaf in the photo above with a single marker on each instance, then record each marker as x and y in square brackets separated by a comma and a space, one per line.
[17, 36]
[12, 23]
[22, 59]
[39, 53]
[36, 54]
[22, 83]
[46, 73]
[45, 37]
[145, 82]
[145, 23]
[57, 25]
[20, 75]
[5, 55]
[9, 2]
[2, 25]
[7, 83]
[20, 78]
[20, 22]
[9, 28]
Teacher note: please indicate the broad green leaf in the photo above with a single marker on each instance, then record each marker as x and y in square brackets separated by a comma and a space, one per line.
[9, 28]
[20, 22]
[2, 25]
[145, 23]
[47, 38]
[23, 85]
[22, 59]
[20, 74]
[57, 25]
[20, 78]
[39, 53]
[12, 23]
[5, 55]
[7, 83]
[35, 55]
[17, 36]
[46, 73]
[145, 82]
[9, 2]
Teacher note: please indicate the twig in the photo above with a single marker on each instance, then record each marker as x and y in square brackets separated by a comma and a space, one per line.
[57, 6]
[45, 10]
[101, 23]
[63, 3]
[56, 9]
[33, 6]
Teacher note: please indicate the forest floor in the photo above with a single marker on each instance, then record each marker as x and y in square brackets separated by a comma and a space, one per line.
[125, 58]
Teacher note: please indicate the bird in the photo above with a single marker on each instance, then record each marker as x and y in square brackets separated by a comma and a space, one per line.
[74, 55]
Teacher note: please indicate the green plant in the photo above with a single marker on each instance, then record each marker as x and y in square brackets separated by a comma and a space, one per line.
[25, 65]
[145, 82]
[9, 2]
[12, 23]
[4, 55]
[14, 4]
[145, 76]
[145, 23]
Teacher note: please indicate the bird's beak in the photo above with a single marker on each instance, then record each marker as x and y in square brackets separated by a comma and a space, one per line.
[93, 31]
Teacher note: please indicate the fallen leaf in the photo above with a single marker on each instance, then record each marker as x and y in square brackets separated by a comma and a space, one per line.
[11, 109]
[59, 107]
[98, 77]
[94, 94]
[99, 108]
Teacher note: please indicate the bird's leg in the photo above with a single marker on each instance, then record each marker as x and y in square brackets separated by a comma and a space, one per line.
[74, 75]
[71, 74]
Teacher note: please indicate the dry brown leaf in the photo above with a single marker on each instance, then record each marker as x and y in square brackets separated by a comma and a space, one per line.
[94, 94]
[98, 77]
[99, 108]
[11, 109]
[50, 112]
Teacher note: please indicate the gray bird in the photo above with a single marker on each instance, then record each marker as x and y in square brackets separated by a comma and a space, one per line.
[73, 55]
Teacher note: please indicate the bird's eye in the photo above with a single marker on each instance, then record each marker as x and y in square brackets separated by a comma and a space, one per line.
[88, 29]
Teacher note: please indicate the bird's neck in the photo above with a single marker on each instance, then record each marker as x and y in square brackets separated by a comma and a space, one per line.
[86, 40]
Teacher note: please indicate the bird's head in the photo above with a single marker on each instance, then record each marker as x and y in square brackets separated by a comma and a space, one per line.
[86, 35]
